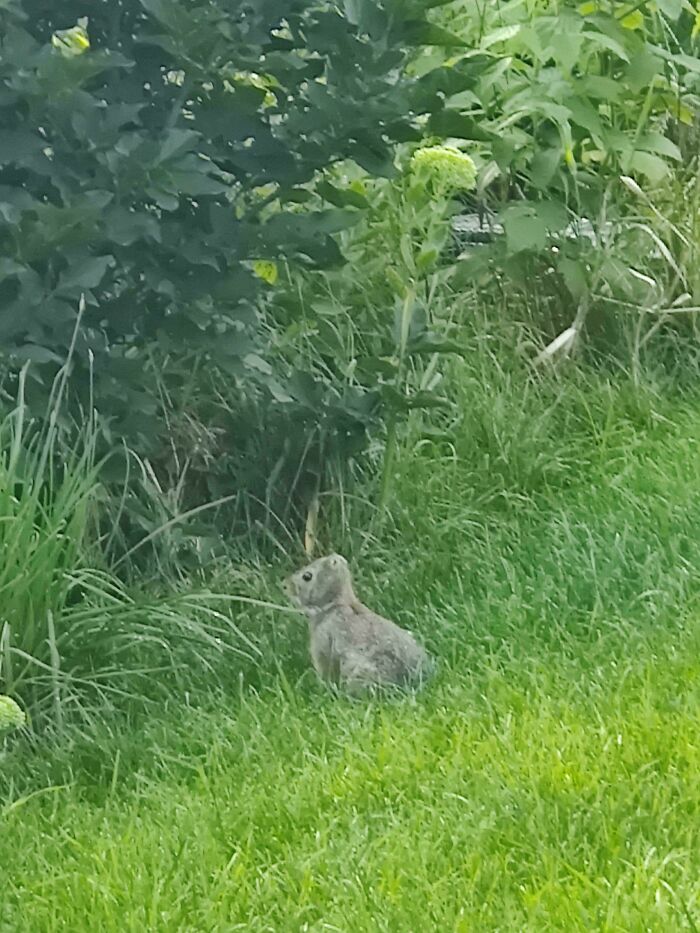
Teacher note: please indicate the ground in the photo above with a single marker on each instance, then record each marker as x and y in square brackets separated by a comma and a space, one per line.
[546, 780]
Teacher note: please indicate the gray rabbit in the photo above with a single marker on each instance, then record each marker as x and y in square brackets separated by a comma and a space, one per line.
[351, 646]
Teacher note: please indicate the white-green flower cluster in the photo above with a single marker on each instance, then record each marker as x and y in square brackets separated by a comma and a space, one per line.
[446, 166]
[11, 716]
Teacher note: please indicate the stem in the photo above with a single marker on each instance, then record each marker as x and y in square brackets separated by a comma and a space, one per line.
[388, 465]
[623, 14]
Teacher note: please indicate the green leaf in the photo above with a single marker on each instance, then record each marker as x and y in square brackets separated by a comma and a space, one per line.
[195, 184]
[653, 167]
[432, 344]
[633, 20]
[642, 70]
[374, 160]
[503, 34]
[367, 15]
[599, 87]
[426, 259]
[341, 197]
[9, 267]
[421, 32]
[253, 361]
[607, 42]
[574, 274]
[16, 146]
[525, 229]
[585, 115]
[459, 125]
[175, 143]
[35, 354]
[125, 227]
[689, 62]
[553, 214]
[543, 167]
[671, 8]
[84, 275]
[660, 144]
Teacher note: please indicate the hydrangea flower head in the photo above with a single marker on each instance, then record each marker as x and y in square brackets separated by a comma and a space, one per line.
[11, 716]
[446, 166]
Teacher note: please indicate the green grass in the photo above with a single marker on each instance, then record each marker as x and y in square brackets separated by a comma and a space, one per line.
[549, 554]
[75, 641]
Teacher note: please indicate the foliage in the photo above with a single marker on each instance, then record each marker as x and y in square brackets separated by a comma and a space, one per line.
[569, 105]
[154, 156]
[180, 162]
[574, 96]
[375, 336]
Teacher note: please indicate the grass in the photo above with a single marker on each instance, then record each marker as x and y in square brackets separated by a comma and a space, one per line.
[74, 640]
[547, 780]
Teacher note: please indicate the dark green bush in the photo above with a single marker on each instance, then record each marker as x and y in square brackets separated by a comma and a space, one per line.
[148, 158]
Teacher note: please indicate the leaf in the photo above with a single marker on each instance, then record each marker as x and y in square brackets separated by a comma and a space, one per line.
[553, 214]
[278, 393]
[443, 83]
[341, 197]
[544, 166]
[9, 267]
[671, 8]
[642, 70]
[599, 87]
[585, 115]
[35, 354]
[574, 274]
[633, 20]
[265, 270]
[296, 196]
[253, 361]
[422, 32]
[689, 62]
[165, 200]
[374, 160]
[398, 401]
[426, 259]
[195, 184]
[125, 227]
[660, 144]
[677, 108]
[19, 145]
[653, 167]
[459, 125]
[177, 142]
[367, 15]
[71, 42]
[500, 35]
[525, 229]
[606, 42]
[85, 275]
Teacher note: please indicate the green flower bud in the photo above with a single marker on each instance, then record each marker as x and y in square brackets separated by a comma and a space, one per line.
[446, 166]
[11, 716]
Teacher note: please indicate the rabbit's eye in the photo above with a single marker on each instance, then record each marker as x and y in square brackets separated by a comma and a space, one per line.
[306, 577]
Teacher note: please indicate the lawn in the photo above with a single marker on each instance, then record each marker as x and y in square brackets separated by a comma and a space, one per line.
[546, 780]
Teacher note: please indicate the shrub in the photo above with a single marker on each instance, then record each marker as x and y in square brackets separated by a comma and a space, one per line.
[575, 99]
[160, 158]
